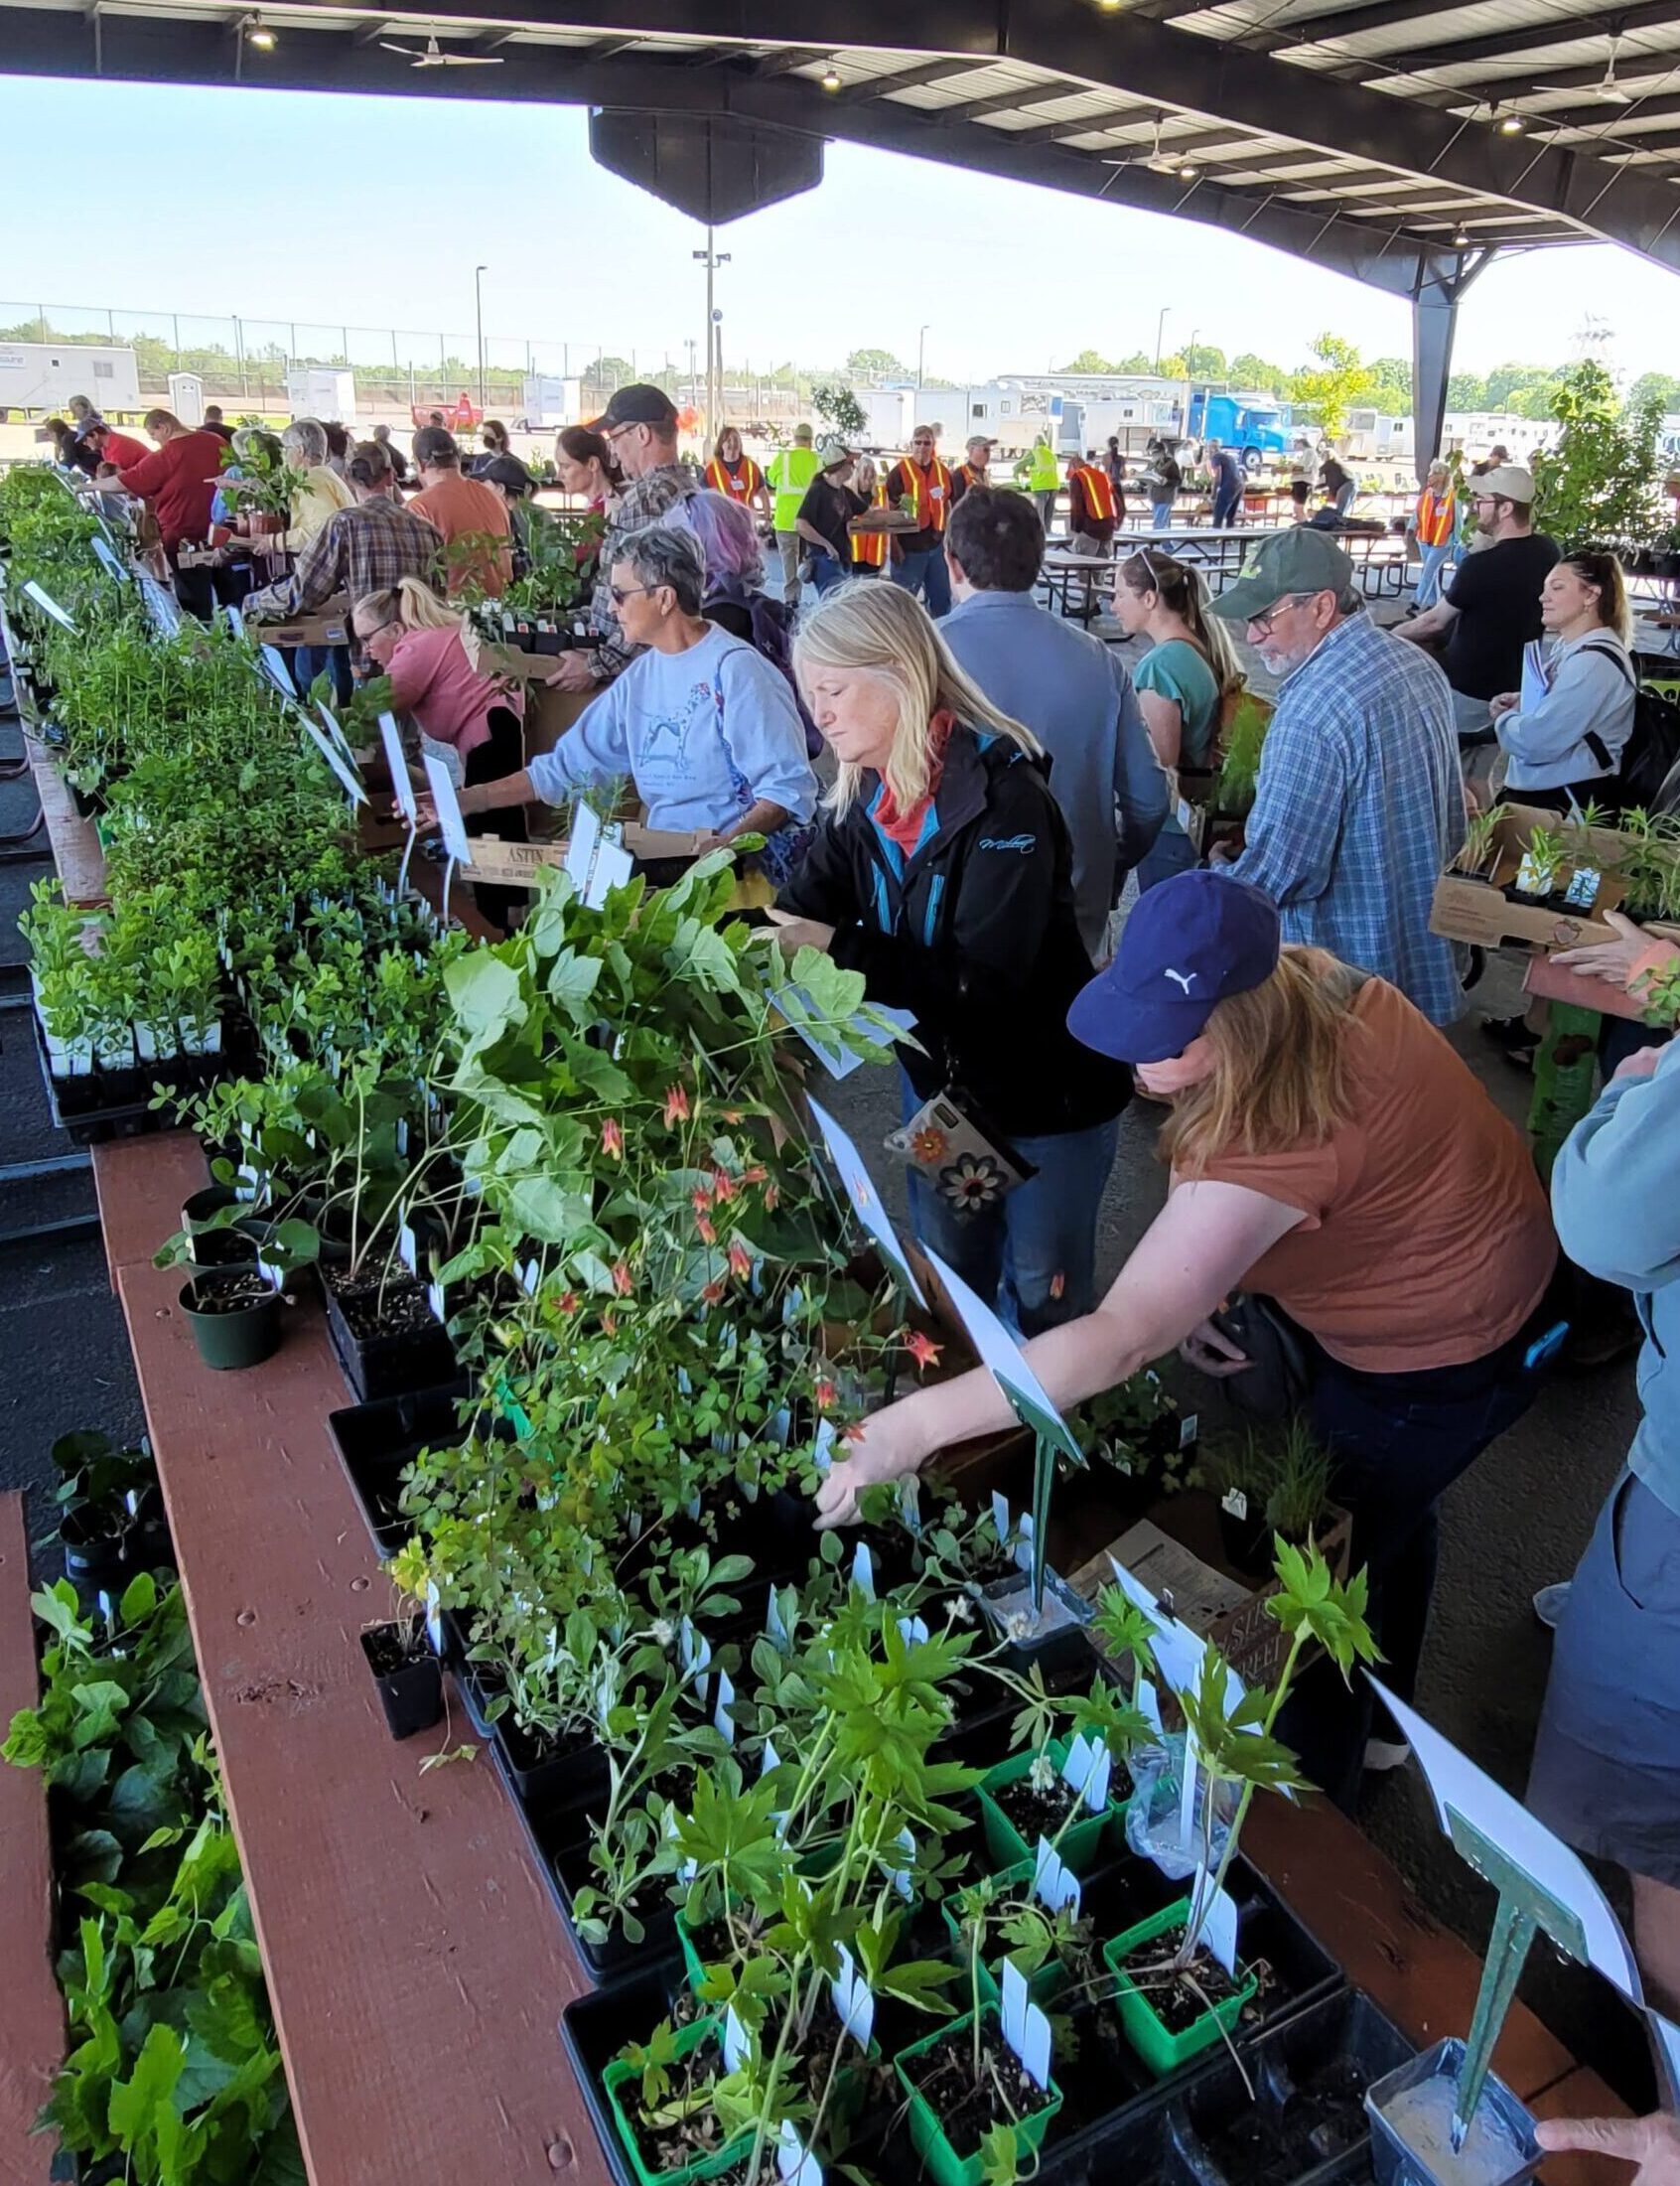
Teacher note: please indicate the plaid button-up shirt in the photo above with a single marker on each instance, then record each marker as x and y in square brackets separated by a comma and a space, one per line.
[643, 501]
[1359, 810]
[360, 551]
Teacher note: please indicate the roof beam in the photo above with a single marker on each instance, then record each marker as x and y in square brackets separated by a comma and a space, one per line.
[1532, 38]
[907, 79]
[1020, 100]
[369, 33]
[787, 59]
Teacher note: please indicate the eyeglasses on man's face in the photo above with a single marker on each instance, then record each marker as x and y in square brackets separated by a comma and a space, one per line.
[1261, 624]
[619, 593]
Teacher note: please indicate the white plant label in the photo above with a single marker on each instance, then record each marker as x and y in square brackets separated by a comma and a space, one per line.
[822, 1445]
[348, 779]
[613, 867]
[1187, 1796]
[457, 841]
[433, 1617]
[435, 1300]
[1024, 2027]
[795, 2164]
[1000, 1515]
[1219, 1928]
[102, 547]
[1235, 1502]
[274, 661]
[736, 2047]
[408, 1251]
[581, 845]
[722, 1720]
[1089, 1769]
[860, 1188]
[1003, 1357]
[854, 2001]
[913, 1631]
[775, 1627]
[45, 600]
[862, 1570]
[390, 736]
[905, 1842]
[1054, 1886]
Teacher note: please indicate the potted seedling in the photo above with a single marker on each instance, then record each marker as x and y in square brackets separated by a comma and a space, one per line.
[1267, 1486]
[1537, 874]
[1181, 1982]
[662, 2096]
[399, 1654]
[234, 1315]
[109, 1519]
[981, 2095]
[1479, 849]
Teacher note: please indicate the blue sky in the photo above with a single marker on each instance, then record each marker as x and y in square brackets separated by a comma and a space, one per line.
[373, 213]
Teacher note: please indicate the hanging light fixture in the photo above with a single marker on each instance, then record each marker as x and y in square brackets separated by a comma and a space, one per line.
[830, 79]
[1508, 124]
[258, 34]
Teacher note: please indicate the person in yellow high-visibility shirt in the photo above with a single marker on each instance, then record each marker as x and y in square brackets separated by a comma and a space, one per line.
[790, 473]
[1044, 479]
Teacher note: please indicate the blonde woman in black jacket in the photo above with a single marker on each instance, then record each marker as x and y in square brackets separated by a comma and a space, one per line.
[942, 871]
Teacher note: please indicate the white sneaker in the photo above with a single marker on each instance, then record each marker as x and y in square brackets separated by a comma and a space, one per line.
[1382, 1754]
[1549, 1603]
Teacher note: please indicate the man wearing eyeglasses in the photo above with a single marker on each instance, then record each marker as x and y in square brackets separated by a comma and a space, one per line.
[1359, 809]
[640, 425]
[1491, 608]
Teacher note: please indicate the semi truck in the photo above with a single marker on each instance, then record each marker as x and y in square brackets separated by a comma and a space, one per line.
[1251, 425]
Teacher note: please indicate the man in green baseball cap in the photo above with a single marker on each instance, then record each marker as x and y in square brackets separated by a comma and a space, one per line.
[1360, 806]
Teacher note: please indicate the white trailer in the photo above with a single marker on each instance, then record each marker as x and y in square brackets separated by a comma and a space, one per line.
[322, 394]
[549, 402]
[43, 375]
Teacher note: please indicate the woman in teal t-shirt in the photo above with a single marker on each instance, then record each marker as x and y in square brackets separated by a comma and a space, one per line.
[1181, 681]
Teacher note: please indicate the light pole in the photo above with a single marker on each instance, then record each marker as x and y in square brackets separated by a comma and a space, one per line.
[479, 272]
[1160, 329]
[714, 392]
[920, 352]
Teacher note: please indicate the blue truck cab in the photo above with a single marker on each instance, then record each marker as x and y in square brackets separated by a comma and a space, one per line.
[1250, 425]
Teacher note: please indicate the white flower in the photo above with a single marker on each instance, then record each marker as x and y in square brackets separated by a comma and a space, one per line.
[962, 1609]
[1041, 1775]
[665, 1632]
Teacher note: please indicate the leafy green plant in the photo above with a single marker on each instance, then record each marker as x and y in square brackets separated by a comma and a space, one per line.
[1599, 485]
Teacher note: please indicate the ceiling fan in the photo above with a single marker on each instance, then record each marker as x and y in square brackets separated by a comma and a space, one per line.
[434, 57]
[1610, 90]
[1159, 161]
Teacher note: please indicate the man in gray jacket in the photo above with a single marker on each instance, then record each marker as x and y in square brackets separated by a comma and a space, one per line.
[1066, 686]
[1607, 1762]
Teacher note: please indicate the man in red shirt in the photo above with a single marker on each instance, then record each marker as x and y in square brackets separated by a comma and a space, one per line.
[115, 451]
[472, 516]
[178, 482]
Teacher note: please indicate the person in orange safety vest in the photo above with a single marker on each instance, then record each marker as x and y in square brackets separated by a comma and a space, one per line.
[1092, 513]
[925, 482]
[1433, 523]
[733, 472]
[871, 550]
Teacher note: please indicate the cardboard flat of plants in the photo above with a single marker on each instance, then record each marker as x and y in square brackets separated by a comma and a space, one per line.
[329, 625]
[883, 519]
[1468, 908]
[1175, 1551]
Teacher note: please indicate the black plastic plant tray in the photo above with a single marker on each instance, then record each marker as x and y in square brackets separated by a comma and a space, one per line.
[99, 1104]
[592, 2030]
[565, 1871]
[390, 1365]
[376, 1443]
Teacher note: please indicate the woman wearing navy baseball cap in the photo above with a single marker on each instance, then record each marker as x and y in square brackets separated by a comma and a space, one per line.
[1331, 1152]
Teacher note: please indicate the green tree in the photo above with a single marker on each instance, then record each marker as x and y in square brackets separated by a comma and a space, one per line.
[875, 365]
[1467, 391]
[1328, 389]
[1254, 375]
[838, 407]
[1204, 362]
[1138, 361]
[1393, 392]
[1089, 360]
[1654, 386]
[1598, 487]
[606, 371]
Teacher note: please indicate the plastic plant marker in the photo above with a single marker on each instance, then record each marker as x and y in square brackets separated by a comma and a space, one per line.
[796, 2165]
[433, 1617]
[822, 1445]
[43, 599]
[1089, 1768]
[1024, 1542]
[862, 1570]
[854, 2001]
[1187, 1790]
[913, 1631]
[408, 1251]
[274, 662]
[1012, 2005]
[735, 2043]
[1178, 1649]
[905, 1842]
[860, 1188]
[613, 867]
[582, 842]
[722, 1720]
[1000, 1515]
[1219, 1927]
[775, 1626]
[1053, 1884]
[348, 780]
[448, 808]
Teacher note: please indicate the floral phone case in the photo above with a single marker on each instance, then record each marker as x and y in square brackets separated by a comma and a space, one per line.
[971, 1168]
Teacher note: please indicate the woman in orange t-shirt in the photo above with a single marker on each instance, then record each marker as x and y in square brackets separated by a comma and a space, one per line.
[1331, 1152]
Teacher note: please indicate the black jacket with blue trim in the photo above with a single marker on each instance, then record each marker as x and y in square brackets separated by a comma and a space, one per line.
[974, 933]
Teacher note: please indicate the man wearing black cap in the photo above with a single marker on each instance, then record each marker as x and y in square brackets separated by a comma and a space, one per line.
[640, 425]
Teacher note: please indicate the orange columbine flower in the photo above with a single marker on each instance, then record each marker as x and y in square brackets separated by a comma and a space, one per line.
[1058, 1283]
[855, 1432]
[825, 1392]
[703, 1223]
[923, 1348]
[740, 1259]
[753, 1175]
[677, 1106]
[610, 1324]
[712, 1292]
[567, 1302]
[773, 1195]
[731, 1115]
[621, 1278]
[613, 1139]
[725, 1186]
[701, 1199]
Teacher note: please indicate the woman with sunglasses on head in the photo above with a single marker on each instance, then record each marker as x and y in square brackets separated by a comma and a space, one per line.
[1330, 1153]
[1181, 681]
[702, 723]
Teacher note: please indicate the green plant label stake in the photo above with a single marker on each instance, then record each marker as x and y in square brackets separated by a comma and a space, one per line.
[1525, 1905]
[1004, 1360]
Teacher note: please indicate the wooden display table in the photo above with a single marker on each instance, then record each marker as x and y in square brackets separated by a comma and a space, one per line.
[74, 840]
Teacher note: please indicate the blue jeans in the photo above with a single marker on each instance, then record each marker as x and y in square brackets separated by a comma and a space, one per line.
[308, 661]
[1435, 559]
[1171, 852]
[826, 573]
[1033, 1256]
[1225, 507]
[925, 571]
[1398, 1442]
[1161, 514]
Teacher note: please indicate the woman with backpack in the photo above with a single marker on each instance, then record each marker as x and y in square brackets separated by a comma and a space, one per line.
[1565, 732]
[1182, 681]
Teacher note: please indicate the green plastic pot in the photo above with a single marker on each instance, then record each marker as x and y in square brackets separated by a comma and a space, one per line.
[1161, 2050]
[621, 2076]
[1081, 1845]
[928, 2134]
[1044, 1986]
[228, 1341]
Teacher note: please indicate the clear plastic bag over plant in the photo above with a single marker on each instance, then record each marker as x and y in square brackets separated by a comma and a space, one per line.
[1155, 1820]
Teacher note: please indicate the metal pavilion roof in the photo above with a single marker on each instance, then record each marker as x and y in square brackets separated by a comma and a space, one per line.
[1399, 141]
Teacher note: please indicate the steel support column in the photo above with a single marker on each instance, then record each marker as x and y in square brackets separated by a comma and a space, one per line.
[1435, 319]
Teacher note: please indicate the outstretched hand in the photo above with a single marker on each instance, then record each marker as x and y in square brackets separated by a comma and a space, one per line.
[876, 1451]
[1652, 2143]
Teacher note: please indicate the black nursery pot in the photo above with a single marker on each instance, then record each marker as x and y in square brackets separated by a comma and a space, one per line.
[242, 1335]
[408, 1675]
[91, 1558]
[1246, 1543]
[385, 1360]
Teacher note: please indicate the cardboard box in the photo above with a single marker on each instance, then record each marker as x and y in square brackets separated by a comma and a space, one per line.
[327, 624]
[512, 864]
[1476, 908]
[1175, 1553]
[512, 662]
